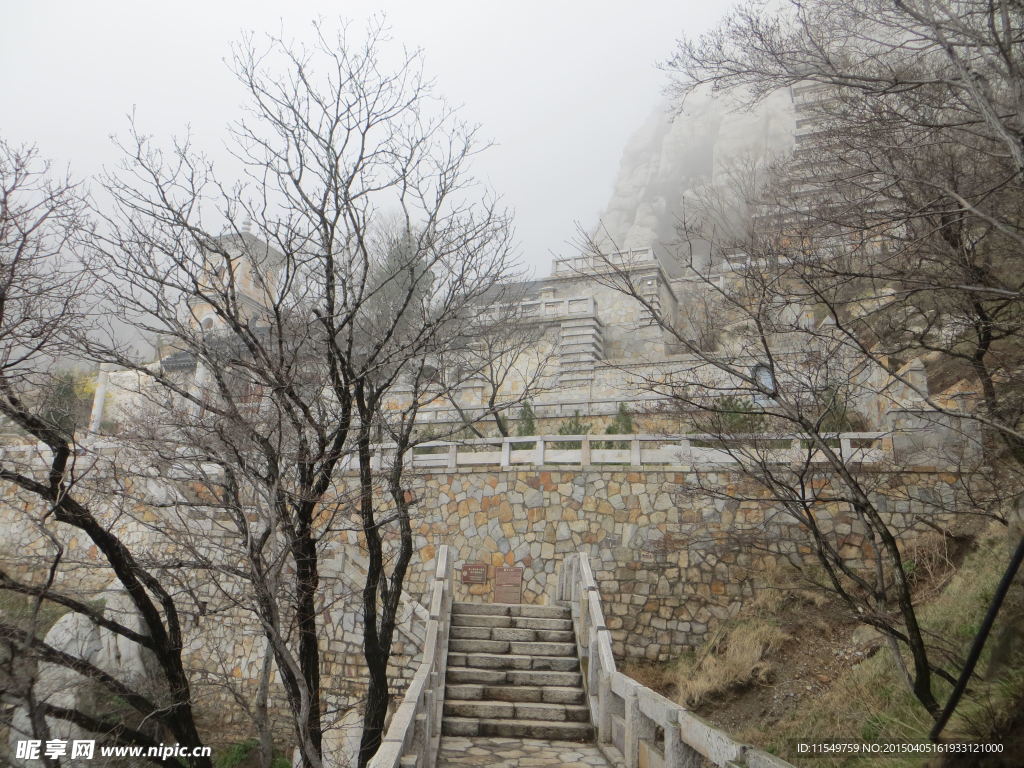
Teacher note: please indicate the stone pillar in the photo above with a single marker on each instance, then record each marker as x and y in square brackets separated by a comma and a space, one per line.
[99, 398]
[202, 375]
[604, 707]
[631, 745]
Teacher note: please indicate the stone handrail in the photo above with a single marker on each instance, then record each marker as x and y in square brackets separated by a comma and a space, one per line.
[413, 737]
[643, 727]
[586, 263]
[638, 450]
[540, 309]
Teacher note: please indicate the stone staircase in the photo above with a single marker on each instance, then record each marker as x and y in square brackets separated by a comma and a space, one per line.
[513, 672]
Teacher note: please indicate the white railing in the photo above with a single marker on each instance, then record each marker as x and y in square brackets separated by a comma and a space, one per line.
[637, 257]
[633, 450]
[643, 727]
[637, 450]
[413, 737]
[556, 308]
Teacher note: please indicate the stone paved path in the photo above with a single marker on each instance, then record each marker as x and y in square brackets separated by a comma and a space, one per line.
[498, 752]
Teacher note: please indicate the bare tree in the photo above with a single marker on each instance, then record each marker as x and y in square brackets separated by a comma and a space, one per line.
[815, 324]
[44, 301]
[966, 52]
[892, 237]
[295, 344]
[912, 146]
[771, 398]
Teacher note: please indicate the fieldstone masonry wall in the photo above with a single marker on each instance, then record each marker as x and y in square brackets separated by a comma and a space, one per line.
[670, 562]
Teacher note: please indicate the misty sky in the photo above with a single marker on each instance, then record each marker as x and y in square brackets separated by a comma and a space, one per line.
[559, 86]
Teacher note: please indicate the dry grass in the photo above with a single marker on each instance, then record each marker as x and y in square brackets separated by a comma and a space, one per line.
[871, 703]
[738, 653]
[734, 658]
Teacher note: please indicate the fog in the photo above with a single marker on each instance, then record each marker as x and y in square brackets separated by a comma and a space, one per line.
[676, 154]
[559, 87]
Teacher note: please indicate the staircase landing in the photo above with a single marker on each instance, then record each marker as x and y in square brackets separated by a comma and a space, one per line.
[497, 752]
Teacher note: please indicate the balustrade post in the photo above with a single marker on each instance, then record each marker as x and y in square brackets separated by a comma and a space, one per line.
[584, 613]
[506, 453]
[585, 451]
[634, 451]
[453, 456]
[421, 736]
[593, 660]
[604, 707]
[845, 449]
[539, 459]
[685, 452]
[631, 743]
[678, 753]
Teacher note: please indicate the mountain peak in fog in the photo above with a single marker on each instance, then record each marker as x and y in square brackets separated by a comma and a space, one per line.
[675, 154]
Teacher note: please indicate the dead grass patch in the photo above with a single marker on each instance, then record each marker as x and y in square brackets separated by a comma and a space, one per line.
[734, 658]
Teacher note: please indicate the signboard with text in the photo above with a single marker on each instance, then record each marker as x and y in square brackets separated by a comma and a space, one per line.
[508, 584]
[474, 573]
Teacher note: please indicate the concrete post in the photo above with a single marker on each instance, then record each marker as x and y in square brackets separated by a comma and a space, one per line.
[685, 452]
[604, 707]
[845, 449]
[199, 380]
[99, 399]
[631, 742]
[678, 754]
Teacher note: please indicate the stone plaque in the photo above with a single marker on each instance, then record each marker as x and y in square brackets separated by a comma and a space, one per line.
[474, 573]
[508, 584]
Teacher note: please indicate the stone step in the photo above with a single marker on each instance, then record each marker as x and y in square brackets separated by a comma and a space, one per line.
[477, 675]
[510, 622]
[513, 672]
[457, 645]
[460, 675]
[542, 648]
[522, 622]
[519, 635]
[544, 677]
[469, 633]
[478, 646]
[507, 710]
[510, 661]
[480, 620]
[517, 729]
[514, 609]
[549, 694]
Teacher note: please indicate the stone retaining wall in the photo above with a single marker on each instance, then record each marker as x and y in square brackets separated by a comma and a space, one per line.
[671, 562]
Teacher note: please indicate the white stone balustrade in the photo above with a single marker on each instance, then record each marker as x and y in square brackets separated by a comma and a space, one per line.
[635, 725]
[637, 451]
[551, 309]
[414, 734]
[586, 263]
